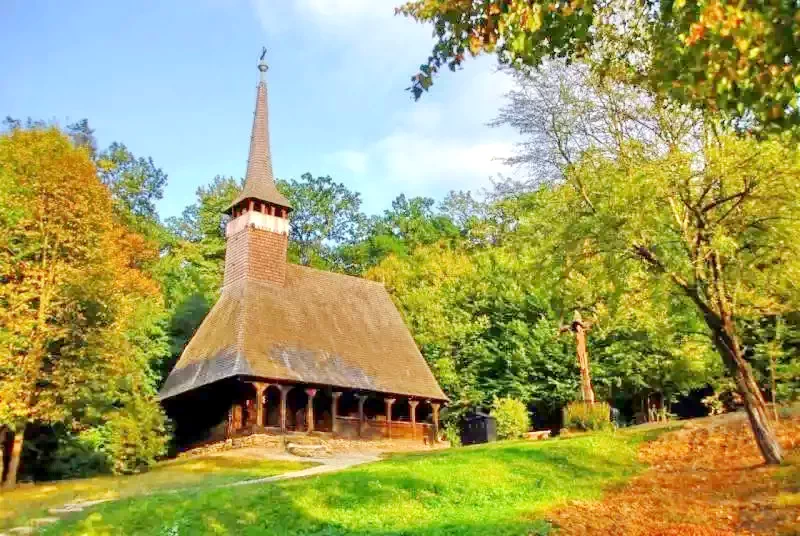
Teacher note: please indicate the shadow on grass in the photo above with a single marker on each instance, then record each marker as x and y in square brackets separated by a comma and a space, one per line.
[497, 489]
[274, 510]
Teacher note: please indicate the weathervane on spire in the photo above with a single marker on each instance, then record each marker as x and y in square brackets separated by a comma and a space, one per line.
[262, 65]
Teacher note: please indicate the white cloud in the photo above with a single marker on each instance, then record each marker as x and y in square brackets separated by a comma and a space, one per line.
[441, 142]
[350, 19]
[353, 161]
[446, 142]
[345, 12]
[425, 116]
[420, 148]
[419, 160]
[271, 15]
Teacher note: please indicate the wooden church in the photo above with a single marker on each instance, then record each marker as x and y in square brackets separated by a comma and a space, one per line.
[290, 349]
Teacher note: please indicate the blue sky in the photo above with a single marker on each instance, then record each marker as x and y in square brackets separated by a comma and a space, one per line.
[175, 80]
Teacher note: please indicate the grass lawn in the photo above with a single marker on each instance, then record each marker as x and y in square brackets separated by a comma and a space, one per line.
[28, 502]
[502, 488]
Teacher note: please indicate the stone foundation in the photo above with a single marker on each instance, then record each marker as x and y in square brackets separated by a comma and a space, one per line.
[279, 443]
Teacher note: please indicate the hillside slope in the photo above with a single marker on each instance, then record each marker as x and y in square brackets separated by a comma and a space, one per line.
[501, 488]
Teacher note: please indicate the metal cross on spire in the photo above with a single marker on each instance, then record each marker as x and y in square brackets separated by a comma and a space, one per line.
[262, 64]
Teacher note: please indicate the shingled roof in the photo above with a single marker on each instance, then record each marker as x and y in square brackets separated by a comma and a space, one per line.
[259, 183]
[318, 328]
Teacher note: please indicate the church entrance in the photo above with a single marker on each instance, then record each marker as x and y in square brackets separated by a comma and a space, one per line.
[261, 407]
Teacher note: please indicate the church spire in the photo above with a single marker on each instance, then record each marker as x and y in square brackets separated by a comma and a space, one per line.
[259, 183]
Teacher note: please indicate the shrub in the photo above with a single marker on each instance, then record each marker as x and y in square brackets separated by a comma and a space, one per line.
[511, 416]
[583, 416]
[452, 434]
[75, 456]
[135, 437]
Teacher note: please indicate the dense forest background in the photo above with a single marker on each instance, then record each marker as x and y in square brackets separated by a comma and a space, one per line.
[105, 294]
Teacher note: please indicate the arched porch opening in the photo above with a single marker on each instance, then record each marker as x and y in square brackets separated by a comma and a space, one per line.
[296, 401]
[272, 407]
[323, 411]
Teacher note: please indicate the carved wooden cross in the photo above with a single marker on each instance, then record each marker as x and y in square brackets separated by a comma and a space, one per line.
[579, 328]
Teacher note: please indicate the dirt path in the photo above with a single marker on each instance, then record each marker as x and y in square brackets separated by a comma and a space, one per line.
[337, 462]
[706, 479]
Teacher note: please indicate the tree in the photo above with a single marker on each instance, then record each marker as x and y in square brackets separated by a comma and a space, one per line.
[326, 214]
[484, 324]
[191, 267]
[410, 223]
[716, 227]
[136, 183]
[82, 135]
[651, 347]
[741, 59]
[561, 111]
[70, 285]
[773, 345]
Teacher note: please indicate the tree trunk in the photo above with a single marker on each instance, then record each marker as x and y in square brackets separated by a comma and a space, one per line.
[16, 454]
[728, 346]
[774, 386]
[2, 453]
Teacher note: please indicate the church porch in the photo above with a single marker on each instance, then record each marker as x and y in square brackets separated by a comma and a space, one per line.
[283, 408]
[239, 407]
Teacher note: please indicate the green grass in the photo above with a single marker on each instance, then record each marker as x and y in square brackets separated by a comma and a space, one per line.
[502, 488]
[32, 501]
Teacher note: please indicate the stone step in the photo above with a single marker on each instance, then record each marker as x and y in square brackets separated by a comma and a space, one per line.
[42, 521]
[65, 510]
[308, 450]
[22, 530]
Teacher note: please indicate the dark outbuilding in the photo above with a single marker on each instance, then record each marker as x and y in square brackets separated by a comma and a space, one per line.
[478, 427]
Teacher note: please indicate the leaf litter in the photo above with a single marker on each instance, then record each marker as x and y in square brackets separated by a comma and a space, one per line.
[706, 479]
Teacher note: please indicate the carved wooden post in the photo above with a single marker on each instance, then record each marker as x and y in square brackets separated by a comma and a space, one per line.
[361, 400]
[310, 410]
[579, 327]
[435, 406]
[413, 405]
[284, 392]
[335, 411]
[260, 388]
[389, 402]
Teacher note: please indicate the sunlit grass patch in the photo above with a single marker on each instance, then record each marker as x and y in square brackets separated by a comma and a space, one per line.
[501, 488]
[30, 501]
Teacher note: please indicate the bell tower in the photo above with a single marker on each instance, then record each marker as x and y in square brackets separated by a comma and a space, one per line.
[258, 233]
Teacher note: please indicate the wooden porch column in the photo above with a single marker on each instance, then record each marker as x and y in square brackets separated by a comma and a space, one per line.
[389, 402]
[335, 411]
[284, 393]
[435, 406]
[260, 388]
[413, 406]
[310, 410]
[229, 427]
[361, 400]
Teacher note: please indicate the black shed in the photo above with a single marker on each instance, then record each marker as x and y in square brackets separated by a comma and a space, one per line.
[478, 427]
